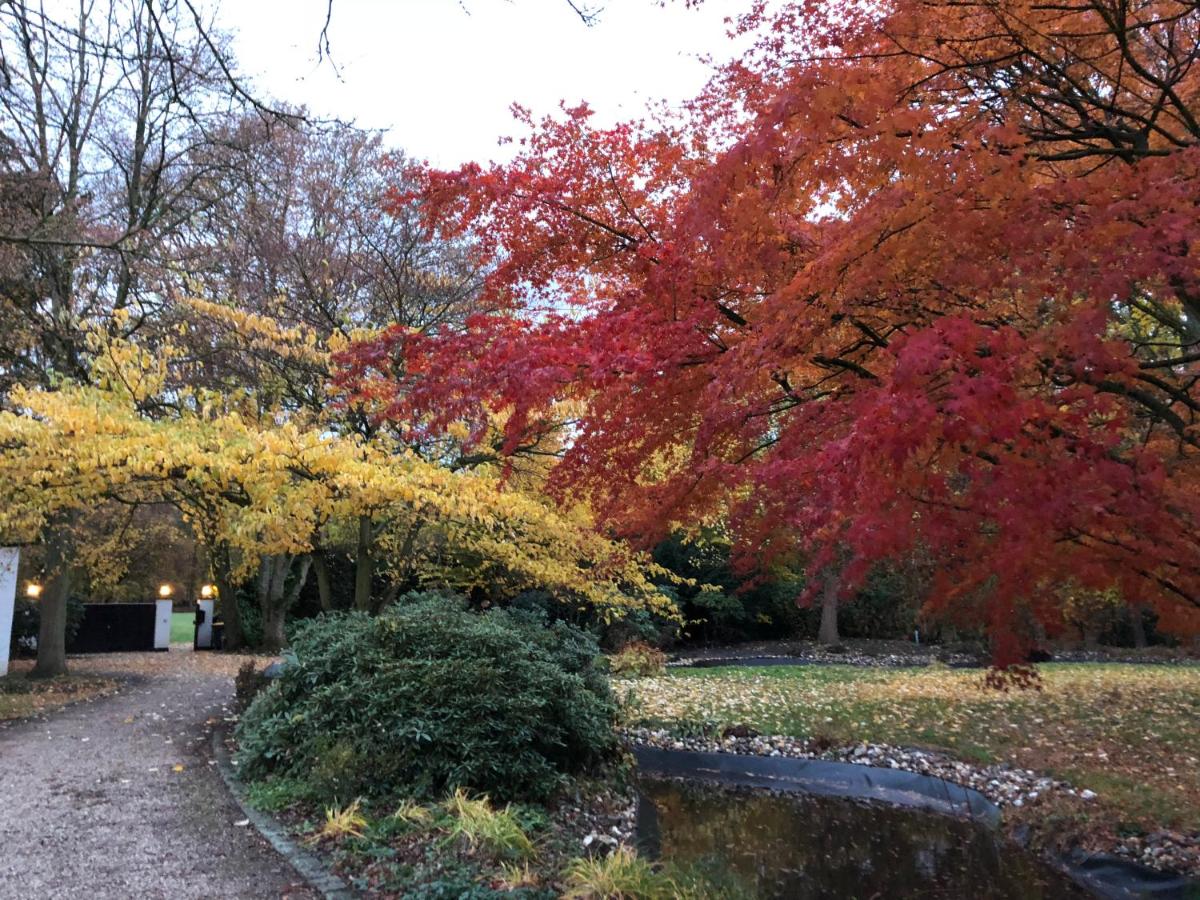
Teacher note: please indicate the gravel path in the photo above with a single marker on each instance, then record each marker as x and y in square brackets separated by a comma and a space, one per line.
[119, 797]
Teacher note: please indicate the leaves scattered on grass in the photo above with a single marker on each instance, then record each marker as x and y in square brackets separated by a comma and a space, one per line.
[22, 697]
[1131, 733]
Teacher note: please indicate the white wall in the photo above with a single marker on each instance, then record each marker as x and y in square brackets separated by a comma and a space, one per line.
[8, 594]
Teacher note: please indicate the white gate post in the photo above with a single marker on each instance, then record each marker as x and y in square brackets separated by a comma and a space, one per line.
[8, 595]
[162, 625]
[204, 635]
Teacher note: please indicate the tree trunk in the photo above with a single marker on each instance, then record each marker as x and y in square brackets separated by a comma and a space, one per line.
[234, 637]
[828, 632]
[1091, 635]
[277, 597]
[266, 568]
[281, 565]
[324, 589]
[298, 583]
[270, 593]
[274, 637]
[390, 595]
[409, 562]
[52, 628]
[190, 588]
[363, 566]
[1137, 619]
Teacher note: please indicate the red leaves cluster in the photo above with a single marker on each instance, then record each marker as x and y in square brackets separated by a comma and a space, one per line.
[920, 278]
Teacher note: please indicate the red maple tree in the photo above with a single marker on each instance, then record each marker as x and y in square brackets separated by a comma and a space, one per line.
[920, 274]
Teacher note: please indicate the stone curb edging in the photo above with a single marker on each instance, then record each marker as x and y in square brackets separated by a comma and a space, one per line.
[307, 864]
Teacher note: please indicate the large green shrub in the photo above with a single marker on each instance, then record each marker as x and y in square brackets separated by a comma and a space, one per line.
[430, 696]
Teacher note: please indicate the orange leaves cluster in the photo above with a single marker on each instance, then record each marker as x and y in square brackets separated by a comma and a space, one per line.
[911, 277]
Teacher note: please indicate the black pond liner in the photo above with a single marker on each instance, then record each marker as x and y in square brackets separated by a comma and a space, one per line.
[1101, 875]
[1115, 878]
[823, 778]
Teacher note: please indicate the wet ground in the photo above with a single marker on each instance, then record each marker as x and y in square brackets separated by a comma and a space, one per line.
[119, 798]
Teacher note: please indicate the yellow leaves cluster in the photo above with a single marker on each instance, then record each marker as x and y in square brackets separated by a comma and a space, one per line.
[257, 332]
[339, 341]
[502, 528]
[272, 487]
[127, 369]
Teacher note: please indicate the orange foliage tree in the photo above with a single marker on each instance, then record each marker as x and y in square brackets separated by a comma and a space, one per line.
[909, 275]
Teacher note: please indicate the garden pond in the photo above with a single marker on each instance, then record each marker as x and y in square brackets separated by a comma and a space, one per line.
[753, 843]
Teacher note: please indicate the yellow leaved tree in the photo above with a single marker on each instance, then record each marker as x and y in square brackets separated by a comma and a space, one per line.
[263, 488]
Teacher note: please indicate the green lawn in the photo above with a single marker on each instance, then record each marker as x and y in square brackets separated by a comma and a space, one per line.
[183, 627]
[1130, 733]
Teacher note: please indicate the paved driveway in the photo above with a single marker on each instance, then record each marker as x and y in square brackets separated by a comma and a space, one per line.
[118, 797]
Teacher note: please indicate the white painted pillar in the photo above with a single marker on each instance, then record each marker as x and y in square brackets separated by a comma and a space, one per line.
[162, 625]
[9, 557]
[204, 632]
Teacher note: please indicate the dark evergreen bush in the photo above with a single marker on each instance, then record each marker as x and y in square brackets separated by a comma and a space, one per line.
[725, 605]
[430, 696]
[27, 619]
[612, 631]
[884, 607]
[251, 616]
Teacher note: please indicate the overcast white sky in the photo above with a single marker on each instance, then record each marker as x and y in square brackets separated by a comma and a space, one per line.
[441, 75]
